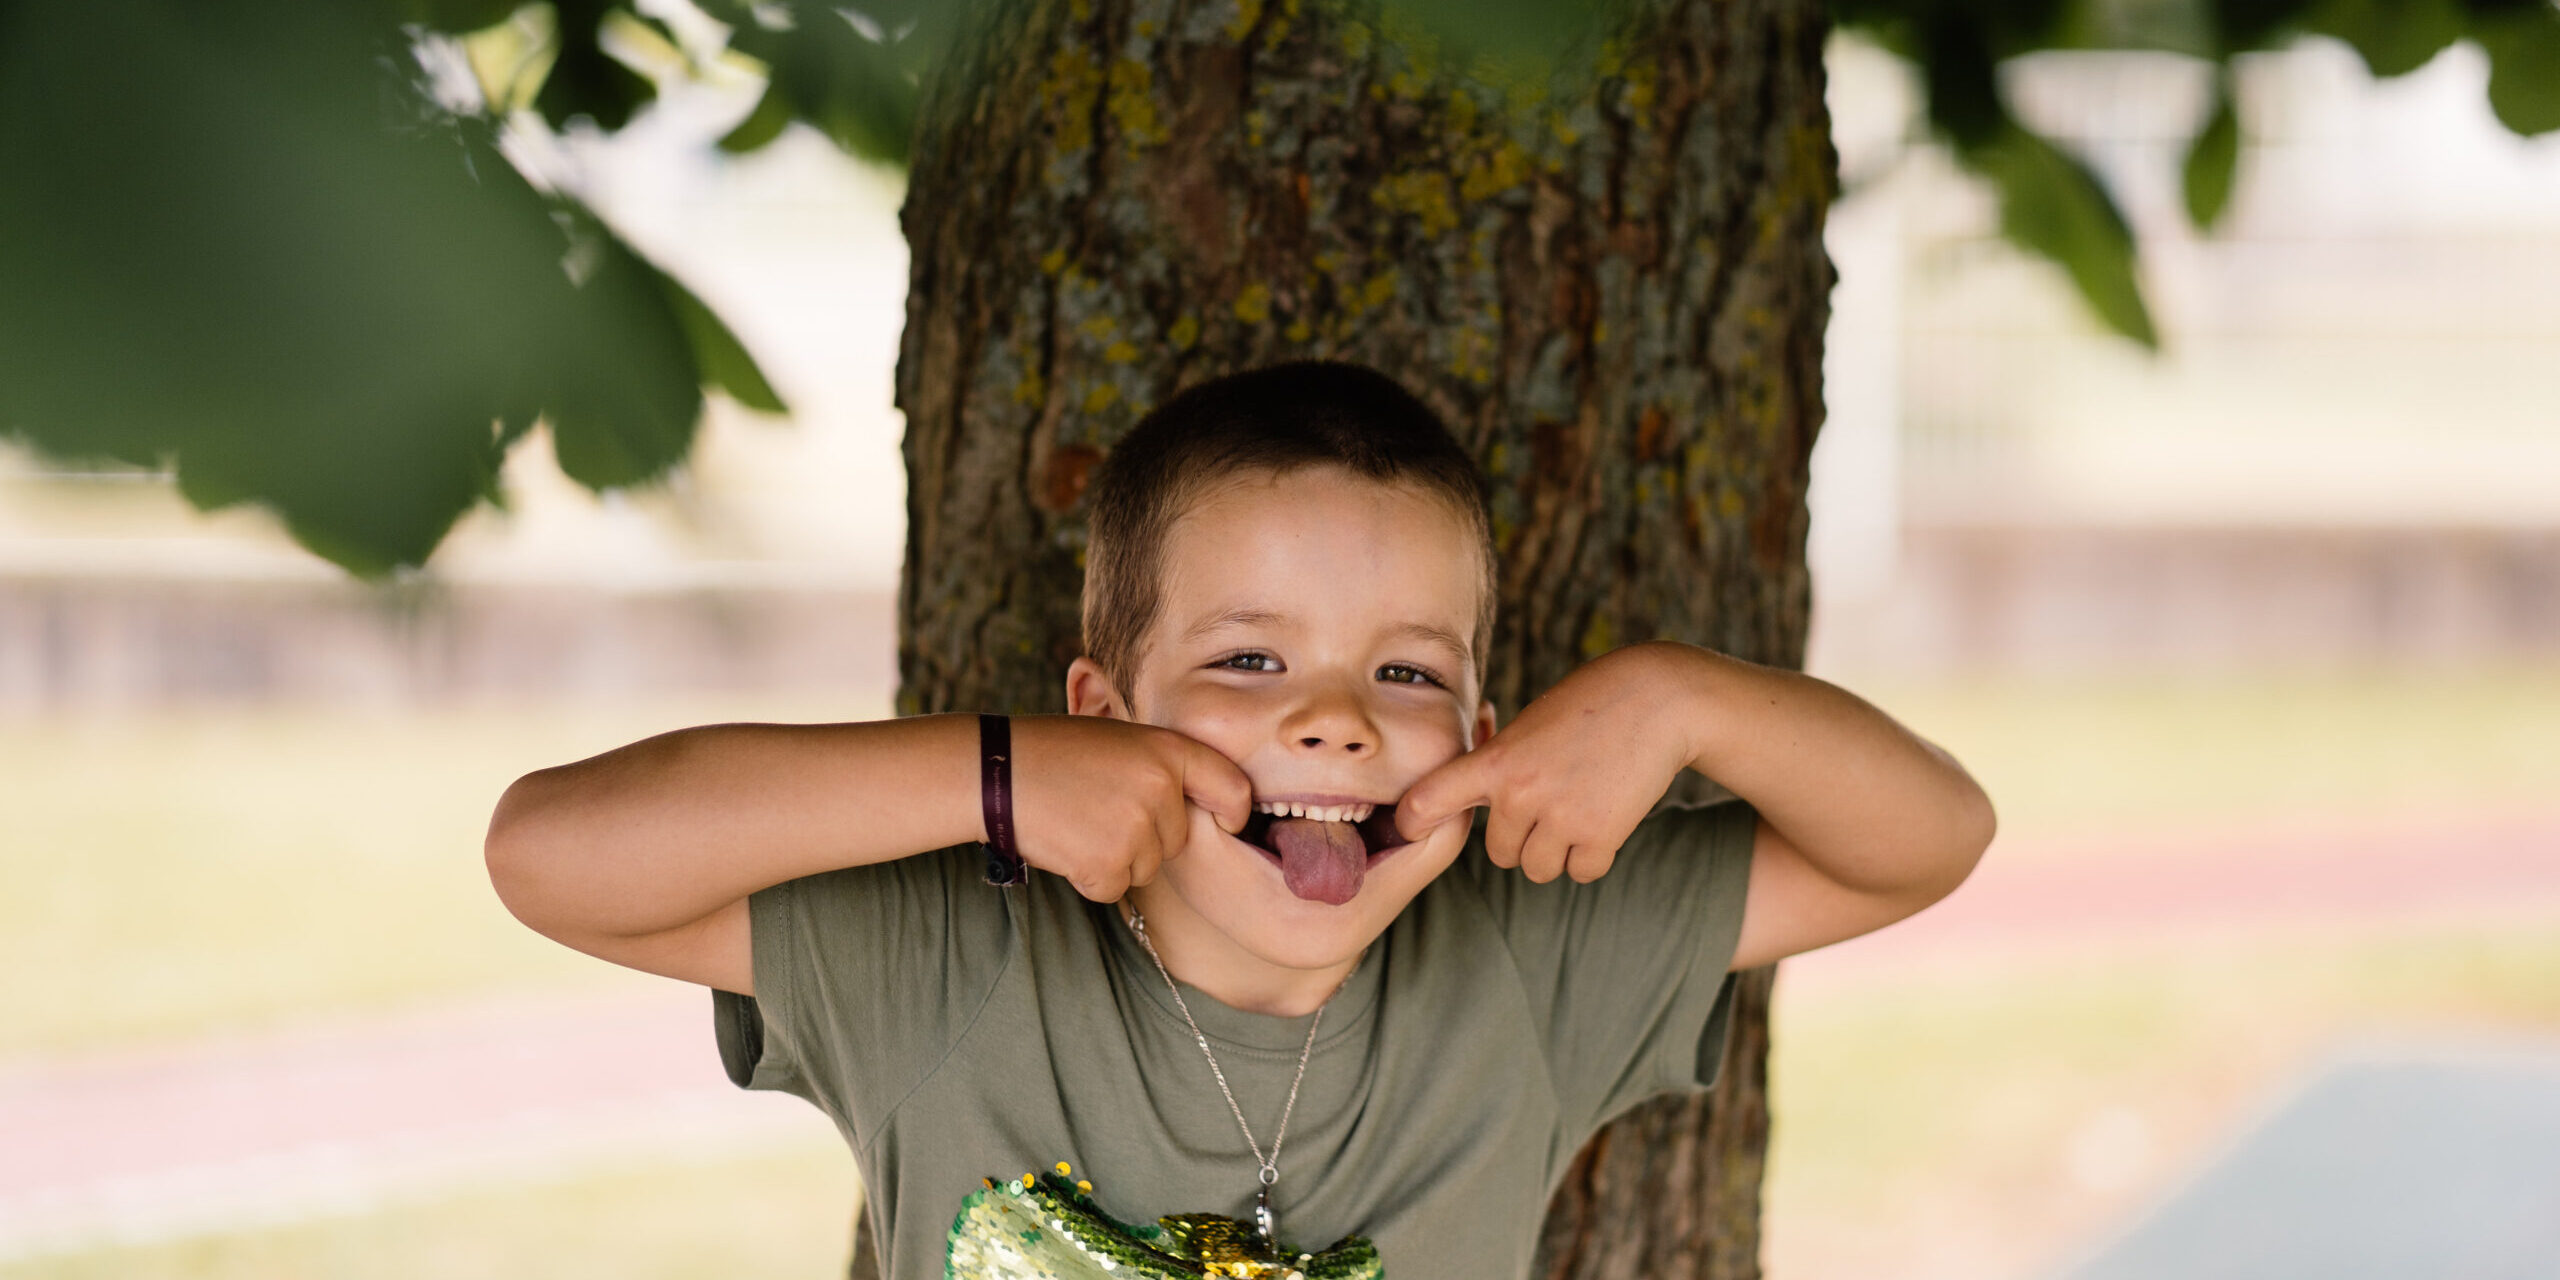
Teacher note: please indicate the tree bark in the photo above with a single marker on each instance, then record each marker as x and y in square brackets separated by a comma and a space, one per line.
[1614, 293]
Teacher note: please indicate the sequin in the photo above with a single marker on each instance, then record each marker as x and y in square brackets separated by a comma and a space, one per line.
[1047, 1228]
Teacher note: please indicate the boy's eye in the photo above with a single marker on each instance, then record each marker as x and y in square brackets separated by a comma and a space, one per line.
[1248, 662]
[1406, 673]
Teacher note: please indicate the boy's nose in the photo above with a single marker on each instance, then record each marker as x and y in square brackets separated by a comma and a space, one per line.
[1333, 719]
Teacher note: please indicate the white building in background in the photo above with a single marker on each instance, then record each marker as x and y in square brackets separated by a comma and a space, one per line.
[2347, 450]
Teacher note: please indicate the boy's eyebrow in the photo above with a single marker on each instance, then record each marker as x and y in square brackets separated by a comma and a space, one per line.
[1247, 617]
[1440, 638]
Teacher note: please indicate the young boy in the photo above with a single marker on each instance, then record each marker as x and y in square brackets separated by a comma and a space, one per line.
[1269, 991]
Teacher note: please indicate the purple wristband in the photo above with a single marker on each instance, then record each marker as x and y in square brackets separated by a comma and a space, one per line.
[995, 800]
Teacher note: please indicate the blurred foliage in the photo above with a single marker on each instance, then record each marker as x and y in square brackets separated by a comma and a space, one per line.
[242, 241]
[257, 244]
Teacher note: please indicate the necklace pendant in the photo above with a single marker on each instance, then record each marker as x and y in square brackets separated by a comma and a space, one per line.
[1263, 1223]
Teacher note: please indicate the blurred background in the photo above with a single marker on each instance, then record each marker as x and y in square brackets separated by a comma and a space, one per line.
[2255, 641]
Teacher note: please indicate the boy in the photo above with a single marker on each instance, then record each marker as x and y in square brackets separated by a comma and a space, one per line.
[1269, 993]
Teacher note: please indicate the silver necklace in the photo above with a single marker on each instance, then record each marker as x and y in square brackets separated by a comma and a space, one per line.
[1264, 1223]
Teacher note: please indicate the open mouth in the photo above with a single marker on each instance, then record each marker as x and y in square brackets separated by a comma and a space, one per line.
[1325, 861]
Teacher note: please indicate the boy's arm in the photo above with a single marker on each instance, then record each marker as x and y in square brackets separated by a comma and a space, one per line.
[646, 855]
[1861, 822]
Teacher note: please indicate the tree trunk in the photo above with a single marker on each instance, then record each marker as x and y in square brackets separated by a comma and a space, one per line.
[1615, 295]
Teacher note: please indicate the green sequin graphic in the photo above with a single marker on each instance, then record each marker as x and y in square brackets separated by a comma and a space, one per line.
[1045, 1227]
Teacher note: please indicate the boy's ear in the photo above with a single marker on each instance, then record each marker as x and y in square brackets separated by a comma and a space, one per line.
[1484, 724]
[1090, 693]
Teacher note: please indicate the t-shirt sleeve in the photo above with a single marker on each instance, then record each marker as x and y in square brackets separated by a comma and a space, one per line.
[1626, 977]
[865, 977]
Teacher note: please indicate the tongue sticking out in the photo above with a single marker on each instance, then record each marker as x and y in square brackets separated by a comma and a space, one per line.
[1321, 861]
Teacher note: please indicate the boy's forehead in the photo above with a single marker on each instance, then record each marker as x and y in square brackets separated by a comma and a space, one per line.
[1320, 546]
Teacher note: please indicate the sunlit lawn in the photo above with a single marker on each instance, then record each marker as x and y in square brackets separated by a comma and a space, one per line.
[175, 874]
[2088, 757]
[784, 1214]
[178, 873]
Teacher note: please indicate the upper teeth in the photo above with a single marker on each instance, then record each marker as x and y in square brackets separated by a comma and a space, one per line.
[1319, 812]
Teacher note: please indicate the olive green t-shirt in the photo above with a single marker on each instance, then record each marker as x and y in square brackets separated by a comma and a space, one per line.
[957, 1032]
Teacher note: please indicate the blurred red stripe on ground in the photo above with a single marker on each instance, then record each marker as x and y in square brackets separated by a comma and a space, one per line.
[2169, 887]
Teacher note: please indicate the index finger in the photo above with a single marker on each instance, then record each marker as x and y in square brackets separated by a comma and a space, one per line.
[1214, 783]
[1442, 794]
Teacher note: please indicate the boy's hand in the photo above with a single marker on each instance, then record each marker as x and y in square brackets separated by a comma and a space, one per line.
[1104, 802]
[1570, 778]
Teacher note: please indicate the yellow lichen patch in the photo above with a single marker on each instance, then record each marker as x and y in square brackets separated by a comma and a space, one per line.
[1098, 327]
[1121, 352]
[1133, 103]
[1053, 262]
[1248, 12]
[1565, 133]
[1256, 124]
[1073, 85]
[1029, 390]
[1599, 637]
[1184, 332]
[1612, 57]
[1493, 172]
[1641, 85]
[1101, 397]
[1425, 196]
[1253, 306]
[1378, 291]
[1298, 331]
[1356, 37]
[1462, 112]
[1473, 358]
[1080, 10]
[1729, 504]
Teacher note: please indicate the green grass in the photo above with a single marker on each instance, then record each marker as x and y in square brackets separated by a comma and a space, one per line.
[2072, 757]
[784, 1214]
[180, 873]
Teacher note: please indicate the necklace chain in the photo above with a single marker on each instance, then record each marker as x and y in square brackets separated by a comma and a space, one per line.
[1270, 1164]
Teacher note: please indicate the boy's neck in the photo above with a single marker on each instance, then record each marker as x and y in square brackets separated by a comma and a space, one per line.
[1198, 953]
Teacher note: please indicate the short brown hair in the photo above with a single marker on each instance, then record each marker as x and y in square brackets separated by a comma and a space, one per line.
[1273, 420]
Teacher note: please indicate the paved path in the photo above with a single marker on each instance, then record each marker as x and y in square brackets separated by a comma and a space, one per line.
[166, 1142]
[334, 1118]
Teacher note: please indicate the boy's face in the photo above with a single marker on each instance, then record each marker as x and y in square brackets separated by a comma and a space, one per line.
[1314, 628]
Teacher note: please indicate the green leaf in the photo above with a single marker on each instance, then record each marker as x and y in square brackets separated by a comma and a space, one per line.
[622, 392]
[723, 359]
[459, 16]
[2213, 159]
[231, 246]
[217, 258]
[584, 79]
[860, 92]
[2394, 37]
[2051, 205]
[2523, 44]
[764, 124]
